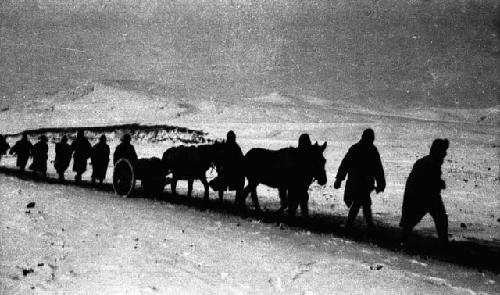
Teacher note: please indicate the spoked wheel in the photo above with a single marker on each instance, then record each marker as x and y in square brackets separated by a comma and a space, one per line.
[123, 178]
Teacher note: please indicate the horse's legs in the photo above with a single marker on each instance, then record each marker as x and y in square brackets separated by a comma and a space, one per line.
[283, 201]
[255, 199]
[221, 196]
[173, 185]
[190, 186]
[239, 192]
[293, 202]
[240, 200]
[205, 184]
[304, 200]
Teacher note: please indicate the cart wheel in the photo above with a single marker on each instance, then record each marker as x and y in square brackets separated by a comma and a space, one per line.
[123, 178]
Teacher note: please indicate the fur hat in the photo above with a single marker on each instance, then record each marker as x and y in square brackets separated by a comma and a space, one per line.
[368, 136]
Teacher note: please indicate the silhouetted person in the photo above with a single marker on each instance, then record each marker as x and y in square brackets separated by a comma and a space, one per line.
[232, 175]
[99, 156]
[4, 146]
[22, 149]
[63, 157]
[125, 150]
[300, 195]
[40, 155]
[423, 192]
[81, 152]
[363, 167]
[304, 141]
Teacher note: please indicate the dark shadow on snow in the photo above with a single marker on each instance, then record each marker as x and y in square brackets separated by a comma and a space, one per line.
[479, 254]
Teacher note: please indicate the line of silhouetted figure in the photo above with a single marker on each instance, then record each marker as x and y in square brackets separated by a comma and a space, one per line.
[80, 150]
[290, 170]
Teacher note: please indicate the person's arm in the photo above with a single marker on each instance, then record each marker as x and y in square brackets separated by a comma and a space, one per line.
[116, 154]
[342, 172]
[6, 148]
[437, 181]
[379, 173]
[134, 154]
[106, 155]
[88, 149]
[46, 151]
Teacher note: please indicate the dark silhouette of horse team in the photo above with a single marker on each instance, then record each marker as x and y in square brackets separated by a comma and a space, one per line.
[290, 170]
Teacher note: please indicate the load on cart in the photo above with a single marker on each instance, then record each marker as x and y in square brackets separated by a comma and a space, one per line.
[128, 169]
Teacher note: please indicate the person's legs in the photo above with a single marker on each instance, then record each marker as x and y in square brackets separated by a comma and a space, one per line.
[367, 213]
[409, 220]
[438, 213]
[190, 187]
[353, 212]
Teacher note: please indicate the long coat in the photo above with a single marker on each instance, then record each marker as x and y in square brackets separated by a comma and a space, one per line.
[81, 148]
[63, 157]
[4, 146]
[40, 156]
[22, 149]
[99, 157]
[232, 167]
[126, 151]
[423, 189]
[363, 167]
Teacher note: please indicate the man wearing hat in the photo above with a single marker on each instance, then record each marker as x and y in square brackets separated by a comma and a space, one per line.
[99, 157]
[363, 168]
[125, 150]
[22, 149]
[423, 192]
[40, 156]
[63, 157]
[81, 152]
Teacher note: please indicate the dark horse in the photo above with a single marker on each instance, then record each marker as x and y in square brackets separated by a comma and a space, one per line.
[190, 163]
[290, 170]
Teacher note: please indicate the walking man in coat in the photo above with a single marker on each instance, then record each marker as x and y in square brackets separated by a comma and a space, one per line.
[4, 146]
[299, 194]
[423, 192]
[363, 168]
[81, 152]
[230, 172]
[63, 157]
[22, 149]
[125, 150]
[99, 157]
[40, 156]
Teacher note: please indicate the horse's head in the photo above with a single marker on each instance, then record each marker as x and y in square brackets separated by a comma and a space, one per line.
[212, 154]
[217, 152]
[317, 162]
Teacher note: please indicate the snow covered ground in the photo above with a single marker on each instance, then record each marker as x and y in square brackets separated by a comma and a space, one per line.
[84, 241]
